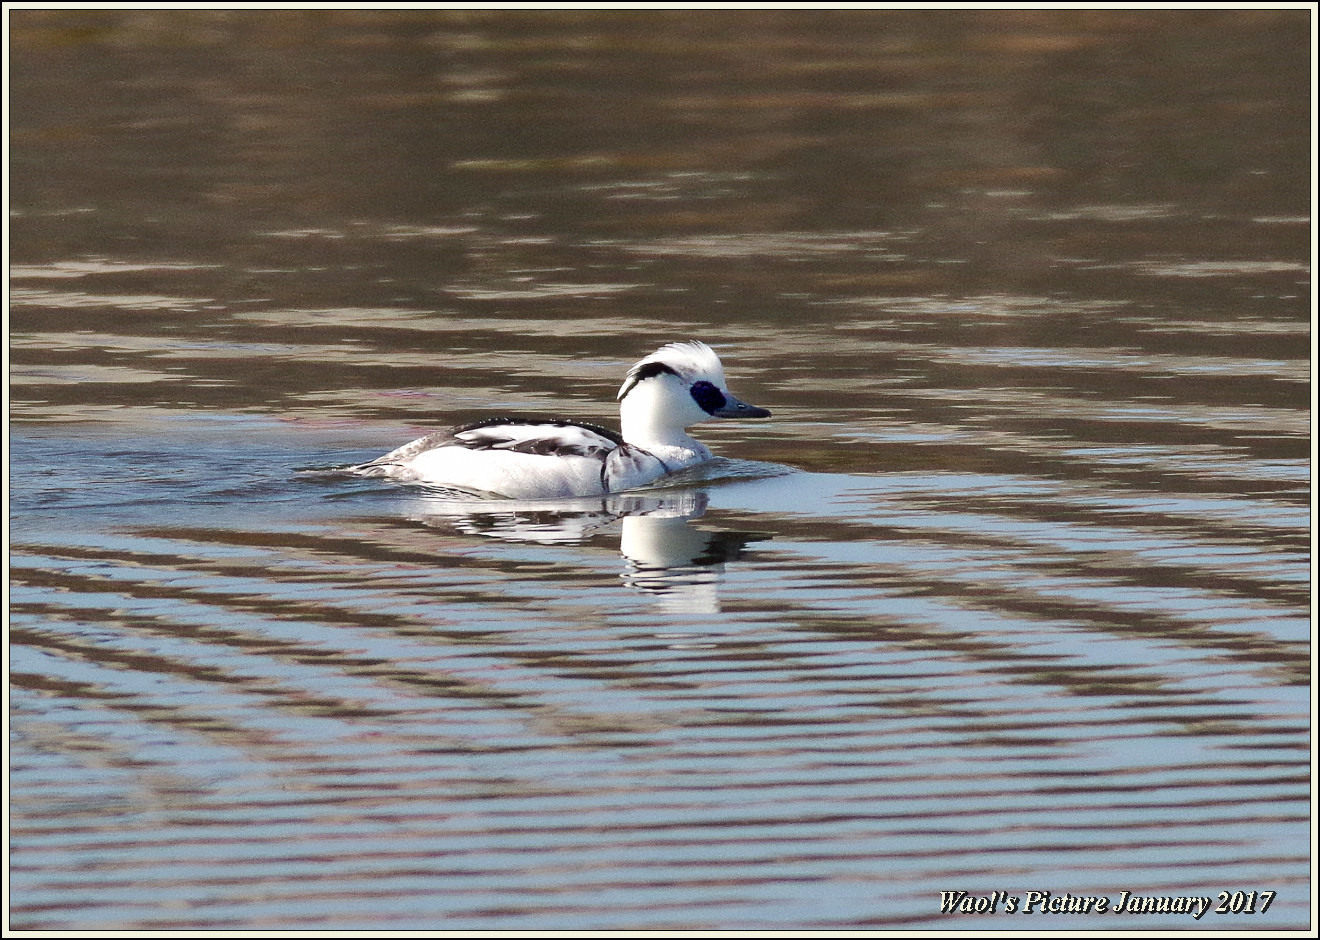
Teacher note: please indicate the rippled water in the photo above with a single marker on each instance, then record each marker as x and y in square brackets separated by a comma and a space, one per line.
[1011, 595]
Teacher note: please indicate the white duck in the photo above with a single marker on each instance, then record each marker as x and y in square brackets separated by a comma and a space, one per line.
[673, 388]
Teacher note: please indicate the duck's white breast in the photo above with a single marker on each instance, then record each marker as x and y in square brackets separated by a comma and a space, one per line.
[628, 467]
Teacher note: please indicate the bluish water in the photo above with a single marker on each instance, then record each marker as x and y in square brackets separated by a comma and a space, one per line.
[1012, 593]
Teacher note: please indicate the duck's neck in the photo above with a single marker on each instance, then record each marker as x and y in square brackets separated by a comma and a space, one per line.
[656, 437]
[645, 424]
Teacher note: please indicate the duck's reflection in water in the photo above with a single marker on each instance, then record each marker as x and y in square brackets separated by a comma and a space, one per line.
[664, 555]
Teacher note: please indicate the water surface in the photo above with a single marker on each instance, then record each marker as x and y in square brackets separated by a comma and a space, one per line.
[1012, 593]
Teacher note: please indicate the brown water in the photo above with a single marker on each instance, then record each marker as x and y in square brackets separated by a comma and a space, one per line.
[1012, 594]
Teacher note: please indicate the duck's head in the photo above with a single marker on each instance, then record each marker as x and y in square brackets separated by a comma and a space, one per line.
[677, 386]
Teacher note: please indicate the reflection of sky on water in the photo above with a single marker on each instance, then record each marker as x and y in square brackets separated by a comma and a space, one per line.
[770, 657]
[1034, 603]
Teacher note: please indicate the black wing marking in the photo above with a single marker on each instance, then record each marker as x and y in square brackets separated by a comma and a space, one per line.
[526, 435]
[552, 437]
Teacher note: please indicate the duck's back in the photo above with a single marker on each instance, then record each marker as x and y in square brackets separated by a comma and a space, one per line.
[518, 458]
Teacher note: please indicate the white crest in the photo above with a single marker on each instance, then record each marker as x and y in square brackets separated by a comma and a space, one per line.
[690, 361]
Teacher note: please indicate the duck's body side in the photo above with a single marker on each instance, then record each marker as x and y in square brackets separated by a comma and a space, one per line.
[539, 458]
[521, 458]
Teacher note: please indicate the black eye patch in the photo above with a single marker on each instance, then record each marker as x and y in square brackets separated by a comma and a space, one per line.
[709, 398]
